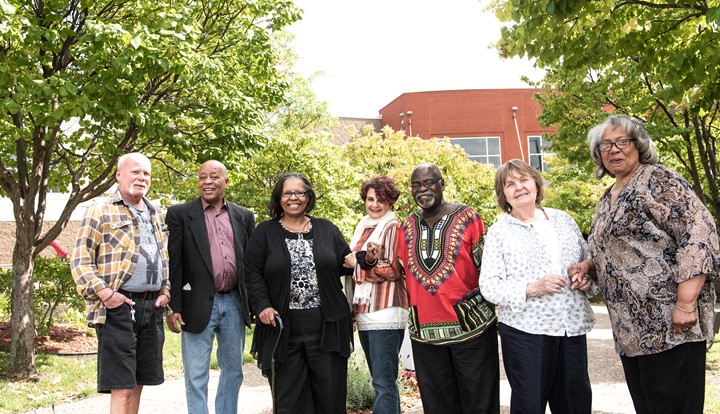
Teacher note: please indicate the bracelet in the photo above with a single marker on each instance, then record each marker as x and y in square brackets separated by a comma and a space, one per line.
[373, 263]
[107, 298]
[685, 310]
[166, 295]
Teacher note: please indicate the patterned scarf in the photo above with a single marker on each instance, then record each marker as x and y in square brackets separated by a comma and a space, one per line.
[363, 291]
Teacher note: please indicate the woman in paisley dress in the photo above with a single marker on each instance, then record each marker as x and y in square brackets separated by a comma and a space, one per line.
[294, 263]
[655, 253]
[543, 312]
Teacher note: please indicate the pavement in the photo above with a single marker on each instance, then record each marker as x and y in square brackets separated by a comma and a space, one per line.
[610, 394]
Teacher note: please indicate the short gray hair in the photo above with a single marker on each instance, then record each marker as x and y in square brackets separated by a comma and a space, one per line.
[136, 155]
[634, 128]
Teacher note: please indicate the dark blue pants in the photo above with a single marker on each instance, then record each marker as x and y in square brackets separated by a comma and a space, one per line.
[671, 381]
[544, 369]
[381, 349]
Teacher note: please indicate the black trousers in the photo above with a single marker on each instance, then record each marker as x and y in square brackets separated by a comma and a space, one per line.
[459, 378]
[669, 382]
[542, 369]
[310, 380]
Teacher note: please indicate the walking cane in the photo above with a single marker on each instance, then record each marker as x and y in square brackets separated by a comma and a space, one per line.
[272, 363]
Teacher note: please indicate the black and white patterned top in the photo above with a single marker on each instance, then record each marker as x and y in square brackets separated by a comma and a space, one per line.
[304, 288]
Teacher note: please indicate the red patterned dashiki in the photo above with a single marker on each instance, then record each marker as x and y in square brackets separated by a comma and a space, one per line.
[441, 266]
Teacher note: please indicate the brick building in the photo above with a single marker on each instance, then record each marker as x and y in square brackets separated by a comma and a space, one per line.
[492, 125]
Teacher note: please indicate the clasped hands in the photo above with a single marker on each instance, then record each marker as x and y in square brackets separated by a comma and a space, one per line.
[553, 283]
[373, 253]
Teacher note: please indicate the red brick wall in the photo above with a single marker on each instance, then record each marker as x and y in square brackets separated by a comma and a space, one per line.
[469, 113]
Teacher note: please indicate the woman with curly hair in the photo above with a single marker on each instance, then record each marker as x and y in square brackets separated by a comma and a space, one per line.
[379, 298]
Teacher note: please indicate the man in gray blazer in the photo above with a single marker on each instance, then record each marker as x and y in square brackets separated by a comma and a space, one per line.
[206, 247]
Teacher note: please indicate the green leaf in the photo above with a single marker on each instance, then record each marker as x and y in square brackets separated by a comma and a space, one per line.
[713, 17]
[7, 8]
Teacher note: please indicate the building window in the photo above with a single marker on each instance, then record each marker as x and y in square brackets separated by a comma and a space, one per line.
[485, 150]
[539, 148]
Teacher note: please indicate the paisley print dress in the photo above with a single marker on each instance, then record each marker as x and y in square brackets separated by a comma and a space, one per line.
[656, 235]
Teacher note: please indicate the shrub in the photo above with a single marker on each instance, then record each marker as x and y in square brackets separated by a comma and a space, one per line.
[360, 392]
[53, 291]
[4, 298]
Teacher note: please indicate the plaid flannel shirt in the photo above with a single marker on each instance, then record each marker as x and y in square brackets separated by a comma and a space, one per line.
[107, 249]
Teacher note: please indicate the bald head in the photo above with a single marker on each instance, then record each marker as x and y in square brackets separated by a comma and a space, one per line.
[429, 167]
[215, 165]
[132, 156]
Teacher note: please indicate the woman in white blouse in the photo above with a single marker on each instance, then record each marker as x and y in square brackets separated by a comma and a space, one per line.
[543, 313]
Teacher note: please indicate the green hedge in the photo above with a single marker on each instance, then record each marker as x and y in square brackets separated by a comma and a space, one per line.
[53, 291]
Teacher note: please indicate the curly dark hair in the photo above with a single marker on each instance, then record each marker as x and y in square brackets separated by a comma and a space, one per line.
[385, 189]
[275, 207]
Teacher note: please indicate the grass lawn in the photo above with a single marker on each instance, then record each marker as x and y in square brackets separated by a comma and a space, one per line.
[67, 378]
[712, 379]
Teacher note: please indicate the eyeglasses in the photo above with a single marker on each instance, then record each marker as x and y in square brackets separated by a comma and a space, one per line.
[415, 185]
[619, 144]
[298, 194]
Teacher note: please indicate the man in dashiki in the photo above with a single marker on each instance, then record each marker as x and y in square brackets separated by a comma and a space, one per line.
[452, 327]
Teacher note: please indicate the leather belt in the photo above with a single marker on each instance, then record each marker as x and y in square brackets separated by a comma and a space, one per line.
[140, 295]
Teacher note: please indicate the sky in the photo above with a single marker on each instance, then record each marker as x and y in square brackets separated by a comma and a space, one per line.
[370, 52]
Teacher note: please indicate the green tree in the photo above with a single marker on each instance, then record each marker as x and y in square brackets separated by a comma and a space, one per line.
[310, 153]
[82, 82]
[657, 61]
[393, 154]
[298, 140]
[573, 190]
[337, 172]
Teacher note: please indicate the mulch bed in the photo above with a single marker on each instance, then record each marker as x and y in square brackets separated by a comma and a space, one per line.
[63, 339]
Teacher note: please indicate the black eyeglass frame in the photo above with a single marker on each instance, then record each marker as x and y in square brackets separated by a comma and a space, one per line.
[297, 194]
[606, 146]
[415, 185]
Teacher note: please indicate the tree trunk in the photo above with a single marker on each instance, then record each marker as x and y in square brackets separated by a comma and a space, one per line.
[22, 346]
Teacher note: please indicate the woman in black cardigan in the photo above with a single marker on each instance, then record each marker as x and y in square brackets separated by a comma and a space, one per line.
[293, 267]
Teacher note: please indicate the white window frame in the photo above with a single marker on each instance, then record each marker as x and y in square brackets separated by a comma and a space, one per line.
[483, 159]
[544, 151]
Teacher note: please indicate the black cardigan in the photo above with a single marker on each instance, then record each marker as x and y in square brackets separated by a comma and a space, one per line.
[267, 273]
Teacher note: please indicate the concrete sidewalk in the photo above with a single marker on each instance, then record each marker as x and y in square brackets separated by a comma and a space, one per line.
[610, 394]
